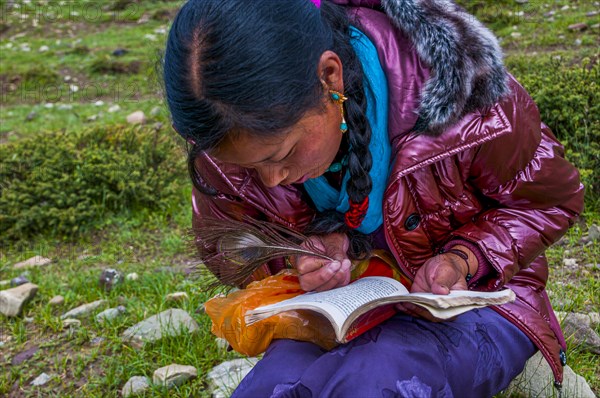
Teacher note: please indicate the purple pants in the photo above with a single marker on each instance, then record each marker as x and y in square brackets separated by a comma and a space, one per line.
[476, 355]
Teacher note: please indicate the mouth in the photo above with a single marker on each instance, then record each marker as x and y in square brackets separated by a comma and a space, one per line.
[303, 179]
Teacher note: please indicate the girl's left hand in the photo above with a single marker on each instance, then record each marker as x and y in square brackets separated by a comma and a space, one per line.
[438, 275]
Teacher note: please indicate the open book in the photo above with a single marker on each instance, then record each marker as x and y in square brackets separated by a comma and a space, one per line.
[357, 307]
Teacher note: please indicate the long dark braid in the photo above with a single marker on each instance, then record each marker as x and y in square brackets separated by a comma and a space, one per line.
[359, 157]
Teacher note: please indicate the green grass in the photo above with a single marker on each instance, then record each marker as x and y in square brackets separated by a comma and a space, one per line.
[81, 36]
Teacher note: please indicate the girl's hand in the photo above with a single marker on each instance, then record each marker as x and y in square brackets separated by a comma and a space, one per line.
[438, 275]
[319, 274]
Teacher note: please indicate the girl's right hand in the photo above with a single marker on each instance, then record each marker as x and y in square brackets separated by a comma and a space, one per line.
[319, 274]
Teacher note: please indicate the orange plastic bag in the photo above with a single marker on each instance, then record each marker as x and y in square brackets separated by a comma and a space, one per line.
[227, 312]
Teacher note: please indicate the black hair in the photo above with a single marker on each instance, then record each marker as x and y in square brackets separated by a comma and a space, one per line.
[251, 65]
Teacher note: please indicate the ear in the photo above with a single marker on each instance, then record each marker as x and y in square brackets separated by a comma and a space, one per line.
[331, 71]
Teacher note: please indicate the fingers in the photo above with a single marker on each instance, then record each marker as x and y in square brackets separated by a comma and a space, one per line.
[331, 275]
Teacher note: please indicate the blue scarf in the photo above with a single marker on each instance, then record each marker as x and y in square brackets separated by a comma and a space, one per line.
[324, 196]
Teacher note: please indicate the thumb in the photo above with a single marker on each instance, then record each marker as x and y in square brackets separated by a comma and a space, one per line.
[437, 288]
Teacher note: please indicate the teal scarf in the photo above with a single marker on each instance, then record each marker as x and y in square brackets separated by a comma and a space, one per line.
[324, 196]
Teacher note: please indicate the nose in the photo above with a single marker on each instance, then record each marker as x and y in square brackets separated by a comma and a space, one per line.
[271, 176]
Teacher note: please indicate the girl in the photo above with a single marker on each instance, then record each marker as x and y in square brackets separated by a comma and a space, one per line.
[379, 124]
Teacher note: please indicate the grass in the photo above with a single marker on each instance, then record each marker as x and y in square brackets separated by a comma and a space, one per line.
[81, 36]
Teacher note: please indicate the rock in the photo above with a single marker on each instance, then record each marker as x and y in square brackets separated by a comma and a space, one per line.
[167, 323]
[97, 341]
[549, 14]
[57, 300]
[30, 116]
[4, 283]
[65, 107]
[578, 42]
[537, 380]
[110, 314]
[515, 35]
[564, 8]
[13, 300]
[155, 111]
[41, 380]
[114, 108]
[24, 356]
[578, 327]
[137, 117]
[144, 18]
[36, 261]
[28, 319]
[110, 278]
[135, 385]
[225, 377]
[522, 1]
[570, 262]
[71, 323]
[18, 281]
[92, 118]
[132, 277]
[595, 26]
[83, 310]
[174, 375]
[578, 27]
[222, 343]
[594, 232]
[592, 14]
[99, 103]
[119, 52]
[177, 296]
[43, 49]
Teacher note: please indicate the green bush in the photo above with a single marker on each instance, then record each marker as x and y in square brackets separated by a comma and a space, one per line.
[568, 96]
[61, 183]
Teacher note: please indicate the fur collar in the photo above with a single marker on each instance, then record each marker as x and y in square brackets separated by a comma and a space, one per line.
[464, 56]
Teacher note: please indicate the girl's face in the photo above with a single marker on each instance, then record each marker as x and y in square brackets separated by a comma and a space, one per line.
[306, 151]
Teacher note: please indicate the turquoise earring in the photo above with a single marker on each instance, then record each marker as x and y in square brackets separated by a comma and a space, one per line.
[339, 98]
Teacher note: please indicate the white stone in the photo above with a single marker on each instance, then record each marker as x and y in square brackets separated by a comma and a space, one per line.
[65, 107]
[225, 377]
[137, 117]
[13, 300]
[83, 310]
[150, 37]
[73, 88]
[570, 262]
[71, 323]
[173, 375]
[57, 300]
[155, 111]
[44, 49]
[48, 105]
[132, 277]
[114, 108]
[135, 385]
[41, 380]
[36, 261]
[99, 103]
[537, 380]
[167, 323]
[515, 34]
[110, 314]
[177, 296]
[222, 343]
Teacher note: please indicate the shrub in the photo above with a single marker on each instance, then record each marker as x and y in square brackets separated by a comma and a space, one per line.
[568, 96]
[61, 183]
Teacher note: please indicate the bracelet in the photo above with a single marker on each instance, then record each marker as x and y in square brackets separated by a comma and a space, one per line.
[462, 255]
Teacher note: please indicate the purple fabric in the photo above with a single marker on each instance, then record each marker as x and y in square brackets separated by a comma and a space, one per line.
[477, 355]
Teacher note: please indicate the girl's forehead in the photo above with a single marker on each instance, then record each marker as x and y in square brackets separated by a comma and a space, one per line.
[250, 148]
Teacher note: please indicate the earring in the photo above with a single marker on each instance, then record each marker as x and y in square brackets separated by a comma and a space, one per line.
[339, 98]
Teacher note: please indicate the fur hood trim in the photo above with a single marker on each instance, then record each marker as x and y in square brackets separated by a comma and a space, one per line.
[464, 56]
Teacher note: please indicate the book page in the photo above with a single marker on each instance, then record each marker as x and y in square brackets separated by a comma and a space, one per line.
[340, 302]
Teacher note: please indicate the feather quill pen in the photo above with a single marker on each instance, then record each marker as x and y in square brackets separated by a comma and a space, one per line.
[233, 250]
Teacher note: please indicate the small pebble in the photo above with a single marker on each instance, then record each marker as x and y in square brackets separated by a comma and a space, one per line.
[71, 323]
[177, 296]
[570, 262]
[57, 300]
[132, 276]
[41, 380]
[18, 281]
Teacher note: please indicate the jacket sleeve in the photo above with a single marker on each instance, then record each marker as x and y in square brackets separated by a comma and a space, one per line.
[223, 207]
[533, 193]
